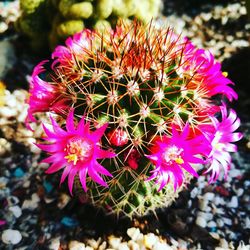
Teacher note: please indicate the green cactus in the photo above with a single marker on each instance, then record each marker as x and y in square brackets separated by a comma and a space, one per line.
[93, 14]
[69, 28]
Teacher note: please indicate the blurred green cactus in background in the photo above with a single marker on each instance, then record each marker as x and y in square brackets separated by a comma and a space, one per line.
[49, 22]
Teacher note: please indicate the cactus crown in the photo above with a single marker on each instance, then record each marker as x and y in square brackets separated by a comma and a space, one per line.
[148, 95]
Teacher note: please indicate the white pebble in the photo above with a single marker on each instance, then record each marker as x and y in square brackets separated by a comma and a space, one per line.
[209, 196]
[134, 246]
[114, 242]
[76, 245]
[103, 246]
[16, 210]
[211, 224]
[149, 240]
[194, 192]
[234, 173]
[240, 191]
[233, 203]
[201, 221]
[10, 236]
[133, 233]
[161, 246]
[8, 112]
[93, 243]
[123, 246]
[220, 222]
[203, 204]
[242, 246]
[55, 244]
[227, 221]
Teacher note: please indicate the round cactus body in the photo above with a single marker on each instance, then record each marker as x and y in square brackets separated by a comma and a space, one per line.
[136, 116]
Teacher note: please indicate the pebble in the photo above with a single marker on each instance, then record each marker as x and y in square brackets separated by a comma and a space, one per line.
[220, 223]
[209, 196]
[123, 246]
[211, 224]
[11, 236]
[134, 246]
[31, 204]
[16, 210]
[149, 240]
[203, 205]
[233, 203]
[76, 245]
[94, 243]
[55, 244]
[201, 221]
[227, 221]
[161, 246]
[133, 233]
[69, 222]
[114, 242]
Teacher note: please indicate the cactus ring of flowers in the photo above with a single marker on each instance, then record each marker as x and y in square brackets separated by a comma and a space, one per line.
[135, 115]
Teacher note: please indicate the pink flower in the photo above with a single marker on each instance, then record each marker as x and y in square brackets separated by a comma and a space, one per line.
[44, 96]
[173, 154]
[76, 150]
[221, 145]
[205, 70]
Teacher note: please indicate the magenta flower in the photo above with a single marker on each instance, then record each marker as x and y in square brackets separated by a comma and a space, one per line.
[173, 154]
[43, 95]
[76, 150]
[205, 70]
[221, 143]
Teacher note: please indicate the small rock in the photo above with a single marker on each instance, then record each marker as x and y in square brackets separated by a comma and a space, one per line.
[233, 203]
[227, 221]
[149, 240]
[19, 172]
[209, 196]
[203, 204]
[93, 243]
[123, 246]
[55, 244]
[16, 210]
[133, 233]
[134, 246]
[211, 224]
[11, 236]
[220, 223]
[114, 242]
[103, 246]
[161, 246]
[240, 192]
[201, 221]
[69, 222]
[76, 245]
[63, 200]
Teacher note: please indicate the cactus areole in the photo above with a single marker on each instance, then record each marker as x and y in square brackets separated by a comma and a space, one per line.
[133, 116]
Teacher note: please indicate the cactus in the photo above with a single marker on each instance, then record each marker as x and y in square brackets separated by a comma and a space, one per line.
[56, 18]
[136, 116]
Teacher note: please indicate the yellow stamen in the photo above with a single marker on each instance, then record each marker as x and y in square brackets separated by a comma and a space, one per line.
[179, 160]
[72, 157]
[225, 73]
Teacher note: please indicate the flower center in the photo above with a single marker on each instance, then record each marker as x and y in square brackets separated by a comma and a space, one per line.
[79, 149]
[173, 154]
